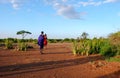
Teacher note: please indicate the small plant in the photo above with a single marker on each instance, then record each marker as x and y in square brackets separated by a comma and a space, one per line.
[8, 44]
[75, 48]
[22, 46]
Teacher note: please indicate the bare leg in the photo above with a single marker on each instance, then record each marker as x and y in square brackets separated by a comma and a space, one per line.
[41, 51]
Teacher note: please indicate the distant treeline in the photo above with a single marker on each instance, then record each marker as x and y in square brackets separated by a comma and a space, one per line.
[15, 40]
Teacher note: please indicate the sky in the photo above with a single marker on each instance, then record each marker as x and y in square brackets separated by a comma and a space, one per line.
[59, 18]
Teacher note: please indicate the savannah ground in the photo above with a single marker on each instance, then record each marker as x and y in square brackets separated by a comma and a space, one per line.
[56, 62]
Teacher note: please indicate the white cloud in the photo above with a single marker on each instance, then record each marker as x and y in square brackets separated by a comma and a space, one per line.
[68, 12]
[65, 10]
[90, 3]
[16, 4]
[109, 1]
[64, 0]
[94, 3]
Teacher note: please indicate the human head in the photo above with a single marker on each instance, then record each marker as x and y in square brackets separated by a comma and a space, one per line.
[45, 34]
[42, 32]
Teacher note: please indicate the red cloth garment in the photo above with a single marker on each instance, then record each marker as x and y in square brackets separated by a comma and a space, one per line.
[45, 40]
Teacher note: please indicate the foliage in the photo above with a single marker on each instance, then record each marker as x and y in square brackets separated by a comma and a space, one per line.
[23, 33]
[106, 50]
[22, 46]
[96, 45]
[102, 46]
[84, 47]
[115, 41]
[75, 47]
[113, 59]
[2, 40]
[84, 35]
[35, 41]
[61, 40]
[68, 40]
[52, 40]
[8, 44]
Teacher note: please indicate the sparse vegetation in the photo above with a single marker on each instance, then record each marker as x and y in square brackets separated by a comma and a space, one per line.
[107, 47]
[8, 43]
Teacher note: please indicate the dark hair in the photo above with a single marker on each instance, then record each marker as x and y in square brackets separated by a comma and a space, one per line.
[42, 32]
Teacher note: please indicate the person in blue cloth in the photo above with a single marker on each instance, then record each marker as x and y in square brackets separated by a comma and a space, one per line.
[41, 42]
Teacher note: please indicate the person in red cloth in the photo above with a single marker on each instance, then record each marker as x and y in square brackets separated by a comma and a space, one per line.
[45, 40]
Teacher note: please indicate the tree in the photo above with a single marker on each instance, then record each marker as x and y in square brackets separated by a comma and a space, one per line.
[115, 40]
[84, 35]
[23, 33]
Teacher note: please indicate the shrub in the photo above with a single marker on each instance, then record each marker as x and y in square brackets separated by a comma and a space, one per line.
[107, 50]
[115, 41]
[22, 46]
[8, 44]
[113, 59]
[83, 47]
[75, 47]
[35, 41]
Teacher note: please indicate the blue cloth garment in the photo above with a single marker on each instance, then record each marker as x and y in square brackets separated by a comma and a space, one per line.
[41, 41]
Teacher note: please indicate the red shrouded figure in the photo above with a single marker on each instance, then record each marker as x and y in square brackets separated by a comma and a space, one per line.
[45, 40]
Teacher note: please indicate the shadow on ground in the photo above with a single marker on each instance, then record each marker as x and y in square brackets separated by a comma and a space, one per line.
[40, 66]
[112, 75]
[57, 52]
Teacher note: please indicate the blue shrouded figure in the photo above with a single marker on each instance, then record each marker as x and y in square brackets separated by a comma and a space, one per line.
[41, 42]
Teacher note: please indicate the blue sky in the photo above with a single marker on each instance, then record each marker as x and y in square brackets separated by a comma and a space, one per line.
[59, 18]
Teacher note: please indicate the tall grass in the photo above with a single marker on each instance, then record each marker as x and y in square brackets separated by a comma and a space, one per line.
[75, 48]
[95, 46]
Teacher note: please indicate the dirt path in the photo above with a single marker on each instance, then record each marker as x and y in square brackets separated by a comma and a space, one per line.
[56, 62]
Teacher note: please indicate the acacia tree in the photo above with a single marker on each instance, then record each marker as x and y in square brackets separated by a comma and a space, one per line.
[22, 46]
[23, 33]
[84, 35]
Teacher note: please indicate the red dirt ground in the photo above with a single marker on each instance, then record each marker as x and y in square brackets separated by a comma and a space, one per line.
[56, 62]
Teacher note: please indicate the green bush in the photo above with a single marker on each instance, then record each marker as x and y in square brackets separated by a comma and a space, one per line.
[35, 41]
[113, 59]
[107, 50]
[75, 47]
[118, 50]
[95, 46]
[85, 46]
[107, 47]
[22, 46]
[82, 47]
[8, 44]
[115, 41]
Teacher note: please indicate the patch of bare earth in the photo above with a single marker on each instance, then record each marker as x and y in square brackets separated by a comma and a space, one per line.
[56, 62]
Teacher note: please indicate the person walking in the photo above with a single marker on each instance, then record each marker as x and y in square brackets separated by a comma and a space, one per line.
[45, 40]
[41, 42]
